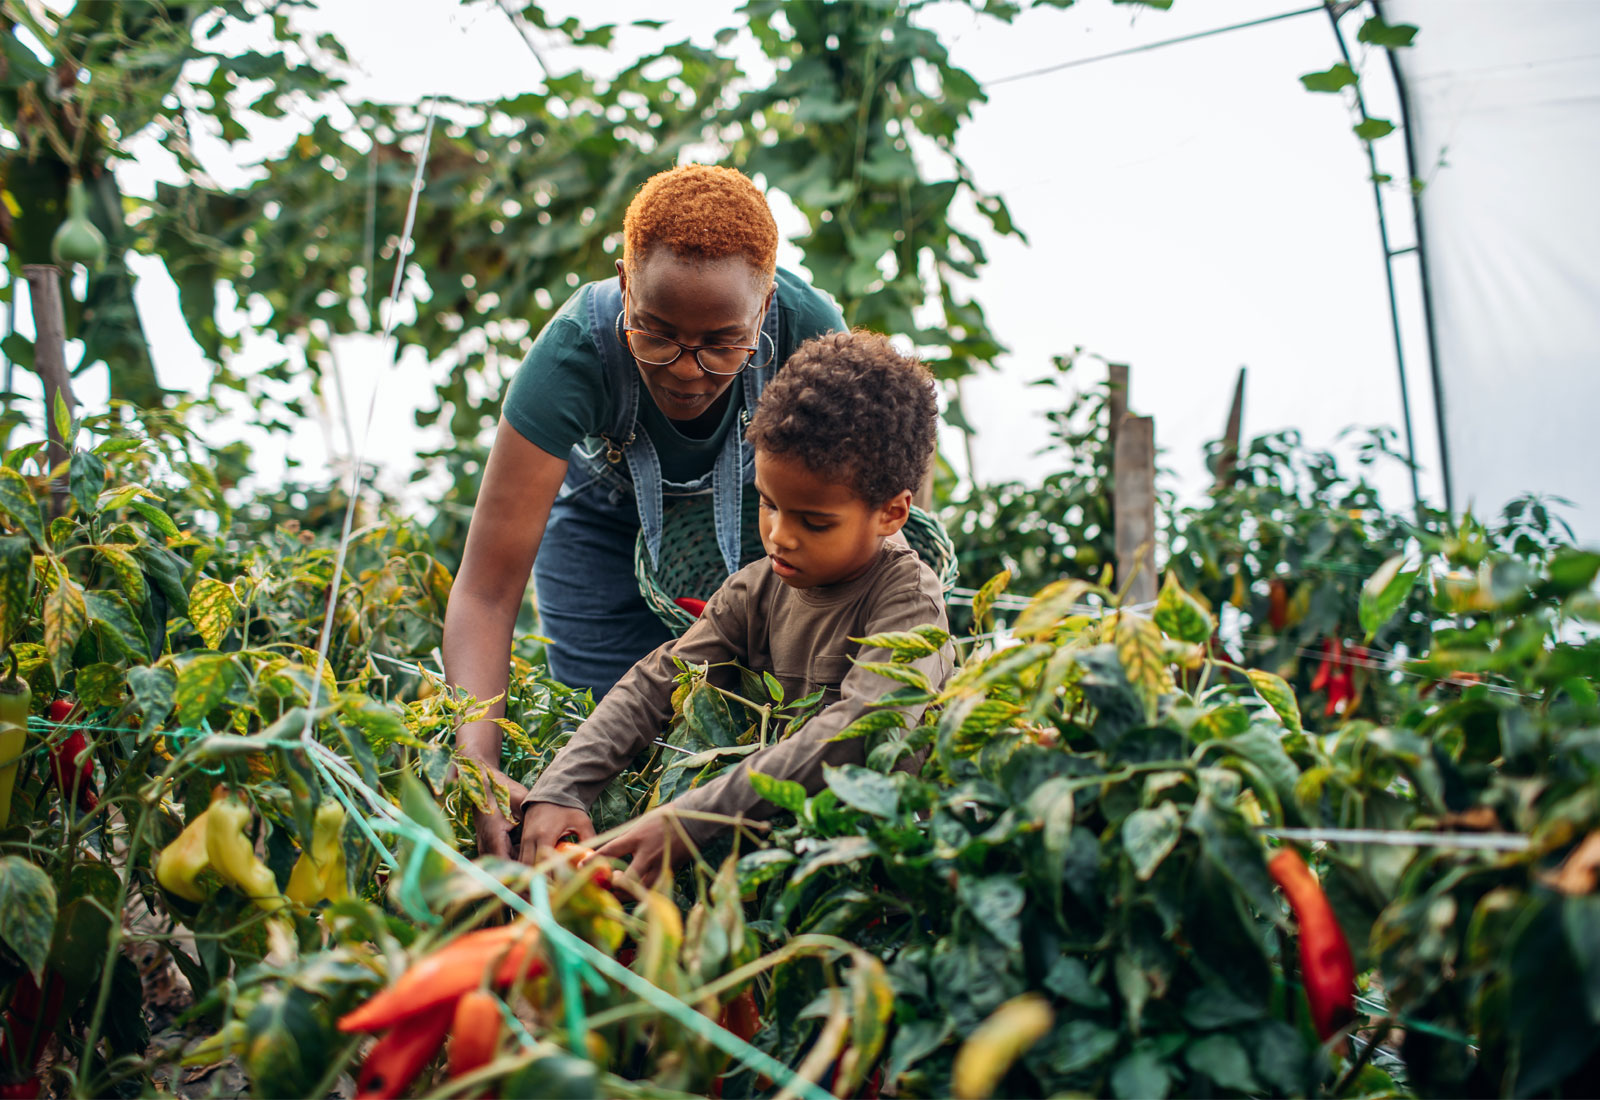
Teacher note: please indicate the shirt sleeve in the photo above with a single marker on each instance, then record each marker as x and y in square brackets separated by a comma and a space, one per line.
[558, 395]
[801, 757]
[635, 710]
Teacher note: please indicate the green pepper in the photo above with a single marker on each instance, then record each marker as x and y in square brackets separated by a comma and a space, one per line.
[15, 703]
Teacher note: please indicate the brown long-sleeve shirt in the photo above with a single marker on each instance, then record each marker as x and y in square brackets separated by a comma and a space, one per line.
[801, 636]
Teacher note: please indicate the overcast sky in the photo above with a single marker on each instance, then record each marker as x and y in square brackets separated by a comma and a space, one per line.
[1189, 210]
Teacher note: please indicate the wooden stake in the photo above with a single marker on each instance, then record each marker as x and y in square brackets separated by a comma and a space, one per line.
[1228, 456]
[1134, 478]
[50, 363]
[1118, 401]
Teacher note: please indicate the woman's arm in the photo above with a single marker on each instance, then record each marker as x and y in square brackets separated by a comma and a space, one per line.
[519, 486]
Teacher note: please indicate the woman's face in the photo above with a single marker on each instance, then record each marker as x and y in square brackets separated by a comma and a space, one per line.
[693, 302]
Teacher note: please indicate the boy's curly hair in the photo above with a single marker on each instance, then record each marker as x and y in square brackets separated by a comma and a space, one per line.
[853, 410]
[701, 212]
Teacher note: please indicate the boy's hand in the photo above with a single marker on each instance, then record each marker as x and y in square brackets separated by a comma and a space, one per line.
[546, 823]
[651, 841]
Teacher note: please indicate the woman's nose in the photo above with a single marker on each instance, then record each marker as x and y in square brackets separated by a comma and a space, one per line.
[685, 368]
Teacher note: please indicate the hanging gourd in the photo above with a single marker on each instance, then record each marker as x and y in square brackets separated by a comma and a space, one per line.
[77, 241]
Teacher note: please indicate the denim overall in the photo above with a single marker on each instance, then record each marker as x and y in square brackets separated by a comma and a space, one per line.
[589, 602]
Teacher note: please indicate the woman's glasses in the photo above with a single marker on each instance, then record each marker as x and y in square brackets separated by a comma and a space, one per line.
[659, 351]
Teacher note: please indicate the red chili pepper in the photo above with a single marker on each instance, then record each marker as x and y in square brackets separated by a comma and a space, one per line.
[21, 1090]
[741, 1016]
[1278, 605]
[442, 977]
[1333, 653]
[30, 1021]
[399, 1056]
[1326, 966]
[691, 605]
[74, 776]
[1341, 690]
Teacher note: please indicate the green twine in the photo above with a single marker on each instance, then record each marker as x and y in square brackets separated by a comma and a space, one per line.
[571, 988]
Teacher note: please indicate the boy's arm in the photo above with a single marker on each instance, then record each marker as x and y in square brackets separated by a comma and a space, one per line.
[801, 756]
[635, 710]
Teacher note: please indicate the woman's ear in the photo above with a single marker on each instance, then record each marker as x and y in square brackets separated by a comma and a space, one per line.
[622, 274]
[894, 513]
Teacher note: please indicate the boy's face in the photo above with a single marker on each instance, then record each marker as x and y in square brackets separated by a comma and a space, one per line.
[817, 531]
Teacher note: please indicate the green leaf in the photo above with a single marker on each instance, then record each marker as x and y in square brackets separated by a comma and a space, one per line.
[785, 794]
[111, 614]
[983, 602]
[866, 790]
[1180, 615]
[1139, 651]
[158, 519]
[903, 644]
[63, 419]
[1580, 919]
[874, 721]
[98, 685]
[18, 502]
[1078, 1044]
[66, 616]
[16, 585]
[27, 912]
[774, 688]
[899, 673]
[1054, 602]
[86, 475]
[1149, 835]
[289, 1049]
[153, 693]
[129, 574]
[420, 806]
[211, 610]
[1141, 1075]
[202, 685]
[1331, 80]
[1371, 129]
[1221, 1058]
[1383, 594]
[1392, 36]
[1278, 696]
[997, 903]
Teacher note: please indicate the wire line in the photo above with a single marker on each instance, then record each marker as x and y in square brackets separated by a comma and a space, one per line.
[1150, 46]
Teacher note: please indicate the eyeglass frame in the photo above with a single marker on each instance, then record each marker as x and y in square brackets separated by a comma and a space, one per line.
[624, 331]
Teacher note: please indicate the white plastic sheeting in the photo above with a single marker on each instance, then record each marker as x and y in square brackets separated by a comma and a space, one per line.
[1505, 117]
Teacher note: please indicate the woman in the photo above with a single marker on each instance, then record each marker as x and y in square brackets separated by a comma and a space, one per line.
[636, 390]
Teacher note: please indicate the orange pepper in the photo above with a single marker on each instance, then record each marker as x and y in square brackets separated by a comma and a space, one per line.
[578, 858]
[1326, 966]
[394, 1062]
[475, 1034]
[454, 969]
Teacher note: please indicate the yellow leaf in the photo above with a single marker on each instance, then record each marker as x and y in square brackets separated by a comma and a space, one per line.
[1139, 648]
[997, 1043]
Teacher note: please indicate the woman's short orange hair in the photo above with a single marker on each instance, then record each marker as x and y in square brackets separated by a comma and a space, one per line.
[701, 212]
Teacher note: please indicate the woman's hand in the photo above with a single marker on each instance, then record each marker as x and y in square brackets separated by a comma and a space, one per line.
[546, 823]
[651, 842]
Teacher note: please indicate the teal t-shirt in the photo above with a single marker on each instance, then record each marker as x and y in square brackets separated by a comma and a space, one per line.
[560, 394]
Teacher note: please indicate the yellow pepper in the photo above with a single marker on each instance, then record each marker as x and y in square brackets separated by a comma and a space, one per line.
[179, 864]
[16, 700]
[233, 854]
[320, 871]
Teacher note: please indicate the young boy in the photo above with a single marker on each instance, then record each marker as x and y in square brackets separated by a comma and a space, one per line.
[841, 436]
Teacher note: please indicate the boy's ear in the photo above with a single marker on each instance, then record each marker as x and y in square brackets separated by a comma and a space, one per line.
[894, 513]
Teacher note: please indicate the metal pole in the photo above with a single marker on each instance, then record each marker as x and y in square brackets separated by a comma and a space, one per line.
[1421, 249]
[1388, 270]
